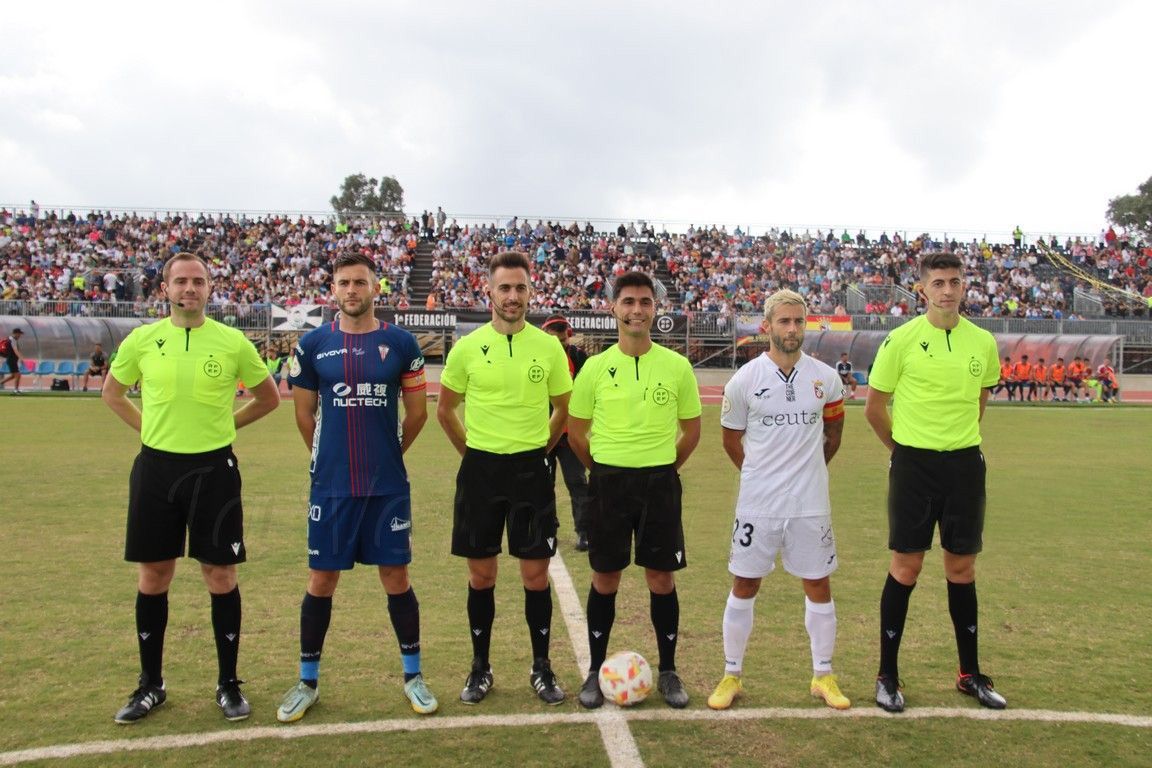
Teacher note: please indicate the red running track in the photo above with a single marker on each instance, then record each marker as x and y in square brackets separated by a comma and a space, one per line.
[711, 394]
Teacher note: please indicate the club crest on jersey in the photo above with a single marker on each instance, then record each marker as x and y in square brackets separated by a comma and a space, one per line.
[818, 388]
[384, 350]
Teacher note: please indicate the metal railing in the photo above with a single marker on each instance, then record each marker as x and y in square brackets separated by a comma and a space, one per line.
[1139, 331]
[1085, 302]
[246, 317]
[712, 340]
[258, 317]
[601, 223]
[859, 296]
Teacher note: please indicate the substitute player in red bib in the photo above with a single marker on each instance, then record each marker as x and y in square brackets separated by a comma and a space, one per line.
[936, 370]
[186, 480]
[782, 416]
[348, 379]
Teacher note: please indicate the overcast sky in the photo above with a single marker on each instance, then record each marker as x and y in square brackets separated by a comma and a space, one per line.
[966, 117]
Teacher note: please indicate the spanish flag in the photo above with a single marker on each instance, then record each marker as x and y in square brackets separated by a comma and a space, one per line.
[829, 323]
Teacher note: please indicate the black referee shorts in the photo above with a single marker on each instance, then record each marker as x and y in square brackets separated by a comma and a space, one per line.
[173, 493]
[494, 490]
[929, 487]
[643, 502]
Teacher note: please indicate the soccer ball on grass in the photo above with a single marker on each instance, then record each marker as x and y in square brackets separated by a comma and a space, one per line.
[625, 678]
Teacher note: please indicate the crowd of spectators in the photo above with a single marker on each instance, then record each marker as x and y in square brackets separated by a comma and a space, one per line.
[573, 266]
[716, 271]
[69, 261]
[712, 270]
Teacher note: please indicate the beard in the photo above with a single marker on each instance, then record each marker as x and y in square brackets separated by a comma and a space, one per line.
[358, 310]
[787, 345]
[510, 315]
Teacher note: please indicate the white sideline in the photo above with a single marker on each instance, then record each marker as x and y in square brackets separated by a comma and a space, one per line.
[622, 750]
[620, 746]
[554, 718]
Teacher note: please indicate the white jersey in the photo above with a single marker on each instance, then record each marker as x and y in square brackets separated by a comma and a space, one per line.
[782, 417]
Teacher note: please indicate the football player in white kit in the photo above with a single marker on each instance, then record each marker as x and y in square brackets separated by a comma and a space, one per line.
[783, 415]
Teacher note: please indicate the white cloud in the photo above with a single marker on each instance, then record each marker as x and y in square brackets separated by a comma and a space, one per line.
[967, 116]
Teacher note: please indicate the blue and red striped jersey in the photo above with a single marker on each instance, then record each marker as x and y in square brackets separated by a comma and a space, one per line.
[359, 378]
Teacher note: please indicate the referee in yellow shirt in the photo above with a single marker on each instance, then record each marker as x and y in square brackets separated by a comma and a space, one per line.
[186, 481]
[634, 421]
[936, 370]
[509, 372]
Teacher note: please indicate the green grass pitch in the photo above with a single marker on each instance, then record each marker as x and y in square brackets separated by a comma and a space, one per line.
[1066, 610]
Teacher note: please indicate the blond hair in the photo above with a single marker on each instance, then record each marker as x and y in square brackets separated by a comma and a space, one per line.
[783, 296]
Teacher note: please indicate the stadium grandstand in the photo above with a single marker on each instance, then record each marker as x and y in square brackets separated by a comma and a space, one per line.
[271, 274]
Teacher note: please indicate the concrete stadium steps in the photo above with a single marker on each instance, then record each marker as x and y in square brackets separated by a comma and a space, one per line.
[662, 274]
[420, 280]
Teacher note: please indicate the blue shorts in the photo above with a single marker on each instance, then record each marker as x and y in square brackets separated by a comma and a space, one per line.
[345, 530]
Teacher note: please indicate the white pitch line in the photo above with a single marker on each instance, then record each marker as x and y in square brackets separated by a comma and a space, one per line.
[280, 732]
[183, 741]
[916, 713]
[623, 752]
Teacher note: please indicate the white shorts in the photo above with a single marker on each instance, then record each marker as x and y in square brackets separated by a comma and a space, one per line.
[806, 546]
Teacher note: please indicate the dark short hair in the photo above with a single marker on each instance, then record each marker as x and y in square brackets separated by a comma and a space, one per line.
[633, 280]
[938, 260]
[509, 260]
[353, 260]
[183, 256]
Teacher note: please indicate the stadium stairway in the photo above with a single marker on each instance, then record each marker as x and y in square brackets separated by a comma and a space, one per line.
[420, 280]
[664, 276]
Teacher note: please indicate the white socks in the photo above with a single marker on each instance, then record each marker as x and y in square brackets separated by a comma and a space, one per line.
[737, 629]
[820, 621]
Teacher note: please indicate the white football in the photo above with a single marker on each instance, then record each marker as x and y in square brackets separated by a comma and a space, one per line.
[625, 678]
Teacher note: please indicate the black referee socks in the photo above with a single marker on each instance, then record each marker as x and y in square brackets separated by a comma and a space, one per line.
[226, 627]
[151, 624]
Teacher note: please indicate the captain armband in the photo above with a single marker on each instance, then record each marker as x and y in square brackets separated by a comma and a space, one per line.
[413, 381]
[834, 411]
